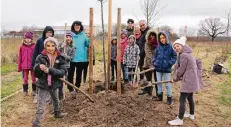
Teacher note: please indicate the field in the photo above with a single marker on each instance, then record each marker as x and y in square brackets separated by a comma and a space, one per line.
[213, 103]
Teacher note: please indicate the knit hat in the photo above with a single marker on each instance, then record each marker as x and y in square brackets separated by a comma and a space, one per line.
[181, 41]
[51, 39]
[28, 35]
[68, 33]
[124, 31]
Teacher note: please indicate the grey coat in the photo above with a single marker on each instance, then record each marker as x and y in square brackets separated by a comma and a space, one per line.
[190, 70]
[70, 53]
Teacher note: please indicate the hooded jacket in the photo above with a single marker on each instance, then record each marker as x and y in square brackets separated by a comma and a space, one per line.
[165, 57]
[131, 54]
[190, 69]
[25, 57]
[39, 46]
[113, 50]
[57, 71]
[149, 51]
[70, 52]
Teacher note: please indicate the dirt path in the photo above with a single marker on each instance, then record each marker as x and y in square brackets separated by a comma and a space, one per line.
[125, 111]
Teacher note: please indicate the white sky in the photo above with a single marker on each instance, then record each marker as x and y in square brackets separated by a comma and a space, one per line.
[177, 13]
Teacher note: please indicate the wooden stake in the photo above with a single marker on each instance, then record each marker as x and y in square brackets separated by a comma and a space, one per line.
[118, 52]
[64, 51]
[91, 53]
[109, 44]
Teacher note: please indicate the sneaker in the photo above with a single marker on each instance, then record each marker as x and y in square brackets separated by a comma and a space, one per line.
[187, 115]
[25, 93]
[33, 93]
[73, 94]
[35, 99]
[176, 122]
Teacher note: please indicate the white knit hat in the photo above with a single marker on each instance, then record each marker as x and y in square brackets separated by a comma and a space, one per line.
[181, 41]
[52, 39]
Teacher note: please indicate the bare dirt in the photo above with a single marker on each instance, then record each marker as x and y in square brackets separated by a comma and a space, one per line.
[128, 110]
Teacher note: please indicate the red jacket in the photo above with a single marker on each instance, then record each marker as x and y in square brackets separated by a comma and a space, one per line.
[123, 44]
[25, 57]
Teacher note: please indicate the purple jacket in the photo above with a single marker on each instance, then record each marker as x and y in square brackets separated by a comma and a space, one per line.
[190, 69]
[25, 57]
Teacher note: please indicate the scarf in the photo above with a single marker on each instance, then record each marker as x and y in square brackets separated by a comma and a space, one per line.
[137, 35]
[153, 43]
[123, 40]
[52, 62]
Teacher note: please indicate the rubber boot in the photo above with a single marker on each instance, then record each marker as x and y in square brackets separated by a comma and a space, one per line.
[169, 101]
[59, 114]
[149, 90]
[25, 89]
[159, 97]
[33, 89]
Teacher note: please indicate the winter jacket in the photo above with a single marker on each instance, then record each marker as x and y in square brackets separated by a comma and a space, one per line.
[142, 41]
[190, 69]
[81, 42]
[149, 51]
[70, 52]
[57, 71]
[130, 31]
[131, 55]
[25, 57]
[114, 52]
[165, 57]
[123, 44]
[39, 46]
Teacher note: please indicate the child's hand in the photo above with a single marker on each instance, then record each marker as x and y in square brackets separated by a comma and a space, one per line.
[64, 45]
[42, 67]
[46, 70]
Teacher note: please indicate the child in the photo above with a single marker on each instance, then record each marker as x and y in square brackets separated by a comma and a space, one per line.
[190, 70]
[150, 49]
[50, 65]
[163, 61]
[25, 62]
[69, 48]
[131, 57]
[113, 58]
[123, 44]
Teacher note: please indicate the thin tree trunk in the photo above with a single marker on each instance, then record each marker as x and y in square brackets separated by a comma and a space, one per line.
[104, 61]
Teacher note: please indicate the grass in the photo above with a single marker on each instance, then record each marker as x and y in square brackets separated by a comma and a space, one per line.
[5, 69]
[11, 85]
[225, 98]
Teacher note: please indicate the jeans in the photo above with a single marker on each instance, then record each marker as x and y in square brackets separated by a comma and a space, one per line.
[163, 77]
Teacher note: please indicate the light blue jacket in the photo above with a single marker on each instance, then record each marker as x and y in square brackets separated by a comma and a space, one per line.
[81, 41]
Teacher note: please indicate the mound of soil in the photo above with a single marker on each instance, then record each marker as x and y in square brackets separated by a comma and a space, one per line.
[128, 110]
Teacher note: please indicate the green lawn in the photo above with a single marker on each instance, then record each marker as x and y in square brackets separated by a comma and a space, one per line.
[5, 69]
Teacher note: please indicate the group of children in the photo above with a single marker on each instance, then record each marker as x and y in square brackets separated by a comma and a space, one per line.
[49, 60]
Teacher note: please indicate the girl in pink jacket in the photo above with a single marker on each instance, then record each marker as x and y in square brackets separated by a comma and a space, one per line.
[25, 62]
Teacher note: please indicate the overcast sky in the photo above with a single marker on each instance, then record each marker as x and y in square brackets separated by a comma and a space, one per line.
[177, 13]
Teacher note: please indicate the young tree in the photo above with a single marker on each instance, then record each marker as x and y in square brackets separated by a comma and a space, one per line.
[150, 11]
[103, 37]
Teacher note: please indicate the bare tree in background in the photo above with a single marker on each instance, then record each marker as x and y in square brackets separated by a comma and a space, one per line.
[212, 27]
[228, 23]
[114, 29]
[150, 11]
[103, 37]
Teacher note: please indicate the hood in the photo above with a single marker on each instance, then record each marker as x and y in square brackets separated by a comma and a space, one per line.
[113, 38]
[132, 36]
[73, 27]
[166, 35]
[47, 28]
[187, 49]
[148, 34]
